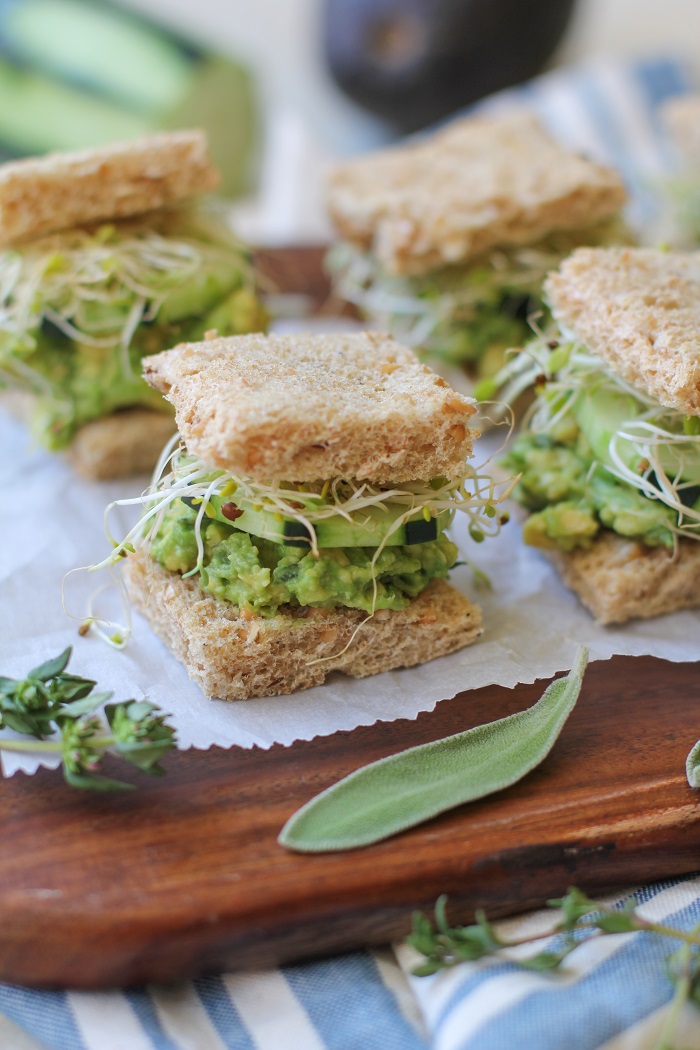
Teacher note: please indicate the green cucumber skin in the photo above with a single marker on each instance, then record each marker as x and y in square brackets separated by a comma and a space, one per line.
[335, 532]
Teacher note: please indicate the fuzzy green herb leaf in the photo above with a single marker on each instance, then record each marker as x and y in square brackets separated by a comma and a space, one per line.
[51, 703]
[692, 766]
[405, 789]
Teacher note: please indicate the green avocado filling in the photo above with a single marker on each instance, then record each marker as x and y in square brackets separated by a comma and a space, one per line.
[79, 309]
[598, 454]
[464, 314]
[261, 575]
[572, 497]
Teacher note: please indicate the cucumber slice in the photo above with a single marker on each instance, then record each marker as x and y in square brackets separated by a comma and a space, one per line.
[370, 528]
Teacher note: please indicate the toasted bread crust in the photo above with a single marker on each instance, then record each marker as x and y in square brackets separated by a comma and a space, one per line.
[481, 183]
[639, 309]
[619, 579]
[308, 407]
[236, 657]
[42, 194]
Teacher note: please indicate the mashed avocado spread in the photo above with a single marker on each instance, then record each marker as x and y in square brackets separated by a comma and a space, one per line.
[81, 308]
[572, 496]
[261, 575]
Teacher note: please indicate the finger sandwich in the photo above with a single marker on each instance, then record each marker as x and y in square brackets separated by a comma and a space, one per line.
[299, 526]
[105, 258]
[445, 241]
[610, 454]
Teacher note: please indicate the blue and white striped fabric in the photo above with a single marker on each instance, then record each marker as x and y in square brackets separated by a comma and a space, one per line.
[342, 1004]
[613, 992]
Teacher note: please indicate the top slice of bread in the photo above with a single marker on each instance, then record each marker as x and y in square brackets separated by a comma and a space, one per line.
[639, 309]
[42, 194]
[480, 183]
[682, 116]
[311, 407]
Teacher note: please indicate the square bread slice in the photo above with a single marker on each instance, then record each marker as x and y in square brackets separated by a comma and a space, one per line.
[481, 183]
[126, 442]
[237, 656]
[619, 579]
[42, 194]
[310, 407]
[639, 309]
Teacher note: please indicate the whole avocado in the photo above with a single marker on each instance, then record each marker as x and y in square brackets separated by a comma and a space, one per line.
[414, 62]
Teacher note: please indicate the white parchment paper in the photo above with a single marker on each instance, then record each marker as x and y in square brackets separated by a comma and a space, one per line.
[51, 521]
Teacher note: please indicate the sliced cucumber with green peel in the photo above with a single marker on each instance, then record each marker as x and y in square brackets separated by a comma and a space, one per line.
[82, 73]
[369, 528]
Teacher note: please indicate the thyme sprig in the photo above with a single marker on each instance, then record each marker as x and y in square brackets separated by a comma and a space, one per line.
[580, 919]
[58, 709]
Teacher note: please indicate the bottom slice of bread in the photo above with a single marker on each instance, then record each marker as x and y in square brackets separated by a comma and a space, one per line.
[126, 442]
[620, 579]
[236, 656]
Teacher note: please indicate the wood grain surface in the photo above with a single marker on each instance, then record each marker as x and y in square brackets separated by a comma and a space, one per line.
[185, 876]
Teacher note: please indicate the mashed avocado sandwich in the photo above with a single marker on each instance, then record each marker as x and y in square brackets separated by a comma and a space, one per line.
[299, 525]
[445, 242]
[610, 453]
[103, 259]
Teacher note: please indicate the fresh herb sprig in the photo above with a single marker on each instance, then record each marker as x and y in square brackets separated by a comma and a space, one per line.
[580, 919]
[58, 708]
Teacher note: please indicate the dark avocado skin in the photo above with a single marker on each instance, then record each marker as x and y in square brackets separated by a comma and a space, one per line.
[414, 62]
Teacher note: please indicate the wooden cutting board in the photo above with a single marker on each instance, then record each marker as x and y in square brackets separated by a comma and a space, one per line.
[185, 876]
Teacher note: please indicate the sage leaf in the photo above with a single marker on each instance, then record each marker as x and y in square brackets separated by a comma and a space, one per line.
[692, 766]
[403, 790]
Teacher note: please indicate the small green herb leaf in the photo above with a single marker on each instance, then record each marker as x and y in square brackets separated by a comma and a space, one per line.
[405, 789]
[94, 781]
[84, 706]
[51, 668]
[574, 907]
[546, 960]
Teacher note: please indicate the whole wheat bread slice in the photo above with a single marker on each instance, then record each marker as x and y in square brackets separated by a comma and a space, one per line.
[116, 446]
[121, 444]
[310, 407]
[55, 192]
[234, 656]
[481, 183]
[619, 579]
[639, 309]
